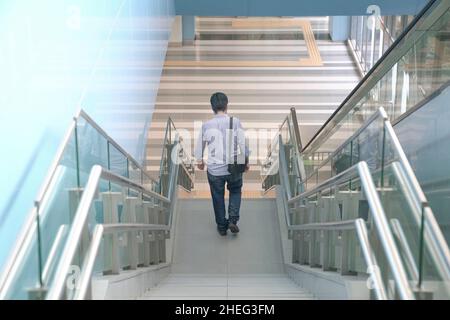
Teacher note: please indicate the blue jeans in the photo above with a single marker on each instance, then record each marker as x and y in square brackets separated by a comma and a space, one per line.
[234, 186]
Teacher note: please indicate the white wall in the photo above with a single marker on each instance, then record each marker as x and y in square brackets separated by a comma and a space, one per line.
[57, 55]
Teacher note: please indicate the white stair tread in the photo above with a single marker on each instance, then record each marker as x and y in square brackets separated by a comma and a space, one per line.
[223, 287]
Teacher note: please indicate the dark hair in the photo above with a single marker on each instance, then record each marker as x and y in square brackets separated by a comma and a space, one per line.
[219, 102]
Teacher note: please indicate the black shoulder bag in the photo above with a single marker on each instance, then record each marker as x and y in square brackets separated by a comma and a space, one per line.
[234, 168]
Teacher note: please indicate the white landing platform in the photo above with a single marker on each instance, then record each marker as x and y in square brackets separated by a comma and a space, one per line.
[227, 287]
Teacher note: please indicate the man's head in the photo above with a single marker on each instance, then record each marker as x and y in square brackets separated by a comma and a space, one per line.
[219, 102]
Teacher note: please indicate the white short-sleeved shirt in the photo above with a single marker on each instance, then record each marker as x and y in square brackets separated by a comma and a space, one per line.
[215, 134]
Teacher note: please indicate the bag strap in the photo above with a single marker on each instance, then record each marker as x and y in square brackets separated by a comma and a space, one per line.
[230, 139]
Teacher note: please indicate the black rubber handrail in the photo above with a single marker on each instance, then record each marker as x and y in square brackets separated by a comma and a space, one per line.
[372, 70]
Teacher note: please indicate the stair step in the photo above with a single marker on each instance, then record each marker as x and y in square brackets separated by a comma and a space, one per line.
[232, 287]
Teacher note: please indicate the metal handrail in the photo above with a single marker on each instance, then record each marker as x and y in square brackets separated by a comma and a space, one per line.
[24, 238]
[100, 230]
[85, 116]
[393, 257]
[178, 141]
[434, 239]
[371, 260]
[97, 174]
[126, 227]
[46, 271]
[89, 263]
[417, 200]
[292, 123]
[360, 226]
[337, 225]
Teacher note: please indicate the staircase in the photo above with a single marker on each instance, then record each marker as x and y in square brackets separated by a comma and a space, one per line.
[248, 265]
[227, 287]
[258, 96]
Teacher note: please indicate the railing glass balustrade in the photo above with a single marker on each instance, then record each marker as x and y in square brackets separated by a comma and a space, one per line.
[187, 164]
[292, 146]
[134, 232]
[418, 239]
[31, 267]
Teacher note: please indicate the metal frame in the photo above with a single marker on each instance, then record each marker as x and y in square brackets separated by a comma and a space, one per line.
[97, 174]
[85, 116]
[17, 254]
[362, 171]
[369, 257]
[434, 240]
[29, 229]
[294, 132]
[74, 238]
[84, 283]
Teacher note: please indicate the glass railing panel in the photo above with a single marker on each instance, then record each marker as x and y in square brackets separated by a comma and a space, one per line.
[92, 149]
[165, 161]
[270, 166]
[350, 206]
[425, 67]
[107, 208]
[26, 281]
[87, 146]
[411, 213]
[123, 239]
[403, 205]
[374, 146]
[401, 198]
[433, 281]
[135, 175]
[118, 162]
[339, 250]
[56, 218]
[382, 266]
[401, 218]
[150, 184]
[100, 265]
[97, 215]
[290, 149]
[173, 139]
[50, 229]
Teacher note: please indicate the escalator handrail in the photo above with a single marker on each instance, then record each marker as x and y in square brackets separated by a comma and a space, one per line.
[369, 74]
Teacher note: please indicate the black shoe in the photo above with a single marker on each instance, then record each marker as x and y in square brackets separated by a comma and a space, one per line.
[222, 232]
[233, 228]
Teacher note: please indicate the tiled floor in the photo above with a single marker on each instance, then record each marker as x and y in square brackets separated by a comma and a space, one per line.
[248, 265]
[261, 96]
[226, 287]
